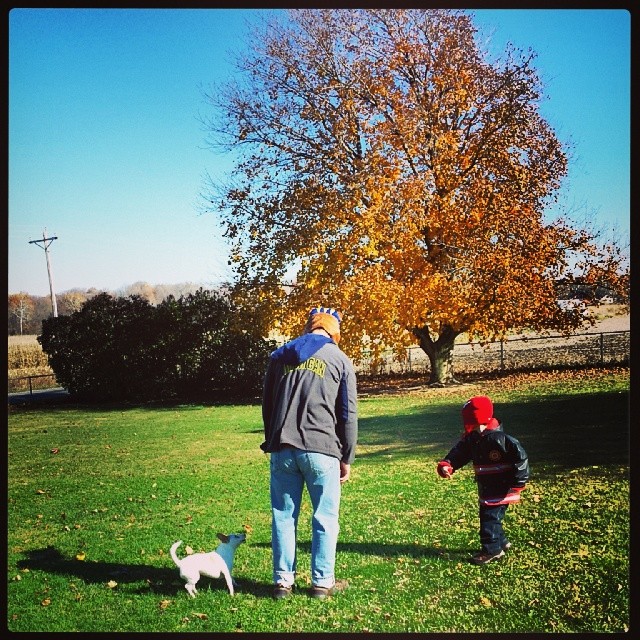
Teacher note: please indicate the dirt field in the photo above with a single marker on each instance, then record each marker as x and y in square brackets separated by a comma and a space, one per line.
[18, 340]
[614, 323]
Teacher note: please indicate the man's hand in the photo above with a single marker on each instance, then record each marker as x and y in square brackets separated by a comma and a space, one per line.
[345, 472]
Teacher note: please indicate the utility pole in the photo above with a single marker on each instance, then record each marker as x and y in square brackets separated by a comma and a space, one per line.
[46, 242]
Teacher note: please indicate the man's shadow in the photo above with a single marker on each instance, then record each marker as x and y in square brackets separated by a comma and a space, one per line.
[166, 581]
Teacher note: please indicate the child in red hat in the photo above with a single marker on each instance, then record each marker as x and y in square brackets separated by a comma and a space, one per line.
[501, 468]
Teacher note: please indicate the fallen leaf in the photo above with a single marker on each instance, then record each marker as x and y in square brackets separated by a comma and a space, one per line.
[112, 584]
[485, 602]
[46, 602]
[201, 616]
[81, 556]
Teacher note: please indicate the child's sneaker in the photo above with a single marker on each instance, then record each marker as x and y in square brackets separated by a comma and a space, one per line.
[485, 558]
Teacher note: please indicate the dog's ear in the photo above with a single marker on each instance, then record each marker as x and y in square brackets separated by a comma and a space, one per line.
[222, 537]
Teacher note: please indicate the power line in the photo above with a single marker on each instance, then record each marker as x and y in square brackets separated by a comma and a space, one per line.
[46, 243]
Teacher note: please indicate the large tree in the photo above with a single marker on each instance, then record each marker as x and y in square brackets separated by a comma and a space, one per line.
[396, 172]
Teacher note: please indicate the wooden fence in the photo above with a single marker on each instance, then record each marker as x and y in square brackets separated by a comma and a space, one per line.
[516, 354]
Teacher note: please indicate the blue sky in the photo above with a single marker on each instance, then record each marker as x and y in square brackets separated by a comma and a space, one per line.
[107, 153]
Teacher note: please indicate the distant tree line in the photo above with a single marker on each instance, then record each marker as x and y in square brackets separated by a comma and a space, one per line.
[26, 312]
[197, 347]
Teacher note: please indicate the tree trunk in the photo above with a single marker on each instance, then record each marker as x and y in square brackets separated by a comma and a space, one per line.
[439, 352]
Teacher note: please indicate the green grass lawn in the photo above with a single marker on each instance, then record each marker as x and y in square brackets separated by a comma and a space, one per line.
[97, 495]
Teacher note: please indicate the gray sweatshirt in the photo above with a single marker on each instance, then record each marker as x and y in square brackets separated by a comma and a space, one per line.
[309, 399]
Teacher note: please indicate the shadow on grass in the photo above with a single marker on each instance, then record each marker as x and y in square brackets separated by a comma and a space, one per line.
[383, 549]
[50, 560]
[160, 580]
[167, 582]
[62, 399]
[564, 431]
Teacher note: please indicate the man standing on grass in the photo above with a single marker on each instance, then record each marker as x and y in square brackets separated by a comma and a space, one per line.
[310, 424]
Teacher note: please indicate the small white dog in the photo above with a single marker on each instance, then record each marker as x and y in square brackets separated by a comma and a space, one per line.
[212, 564]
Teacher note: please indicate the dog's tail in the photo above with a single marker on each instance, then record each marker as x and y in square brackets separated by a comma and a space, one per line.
[172, 551]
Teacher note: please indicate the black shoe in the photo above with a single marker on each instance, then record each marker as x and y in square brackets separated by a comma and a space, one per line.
[324, 592]
[280, 592]
[485, 558]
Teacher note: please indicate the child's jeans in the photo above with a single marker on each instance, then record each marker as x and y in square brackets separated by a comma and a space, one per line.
[492, 536]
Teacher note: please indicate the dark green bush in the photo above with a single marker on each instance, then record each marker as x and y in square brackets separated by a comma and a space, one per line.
[196, 347]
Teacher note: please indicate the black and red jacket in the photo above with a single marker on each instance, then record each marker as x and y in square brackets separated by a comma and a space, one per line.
[500, 463]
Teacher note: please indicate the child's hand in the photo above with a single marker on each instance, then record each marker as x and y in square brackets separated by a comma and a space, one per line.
[445, 470]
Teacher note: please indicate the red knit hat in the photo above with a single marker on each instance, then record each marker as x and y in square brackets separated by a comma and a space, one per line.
[477, 410]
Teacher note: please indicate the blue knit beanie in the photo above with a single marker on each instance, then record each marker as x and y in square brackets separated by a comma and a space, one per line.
[326, 318]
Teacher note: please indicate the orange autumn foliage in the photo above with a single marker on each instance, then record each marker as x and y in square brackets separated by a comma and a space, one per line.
[390, 169]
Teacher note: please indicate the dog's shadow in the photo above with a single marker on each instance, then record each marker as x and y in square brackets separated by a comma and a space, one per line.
[160, 580]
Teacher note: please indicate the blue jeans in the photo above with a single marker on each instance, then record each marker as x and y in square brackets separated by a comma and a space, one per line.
[291, 470]
[492, 535]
